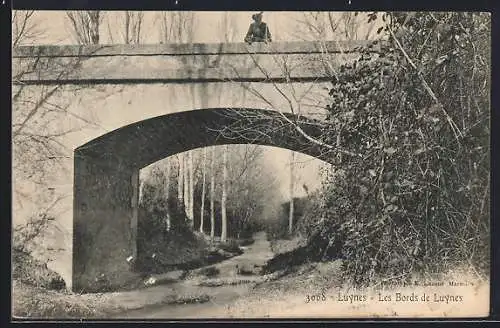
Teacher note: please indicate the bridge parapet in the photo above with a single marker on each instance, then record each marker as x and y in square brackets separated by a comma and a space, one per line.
[177, 63]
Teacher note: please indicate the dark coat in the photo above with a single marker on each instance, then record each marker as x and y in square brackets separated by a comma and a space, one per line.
[258, 33]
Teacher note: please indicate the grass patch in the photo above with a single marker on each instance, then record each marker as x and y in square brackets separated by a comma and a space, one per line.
[30, 271]
[231, 246]
[36, 302]
[210, 271]
[244, 270]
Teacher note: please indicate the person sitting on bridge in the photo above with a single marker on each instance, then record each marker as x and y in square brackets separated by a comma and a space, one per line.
[258, 30]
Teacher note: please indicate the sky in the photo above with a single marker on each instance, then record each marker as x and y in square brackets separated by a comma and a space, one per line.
[284, 26]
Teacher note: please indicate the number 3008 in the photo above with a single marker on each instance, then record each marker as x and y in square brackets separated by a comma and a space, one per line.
[316, 298]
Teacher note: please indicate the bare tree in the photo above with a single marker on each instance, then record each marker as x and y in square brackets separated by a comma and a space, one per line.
[250, 185]
[223, 236]
[180, 179]
[26, 234]
[176, 26]
[319, 25]
[315, 25]
[24, 28]
[202, 208]
[132, 29]
[297, 103]
[36, 134]
[186, 185]
[212, 194]
[85, 25]
[167, 195]
[39, 151]
[227, 27]
[292, 185]
[191, 187]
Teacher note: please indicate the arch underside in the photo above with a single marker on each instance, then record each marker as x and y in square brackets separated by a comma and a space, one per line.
[107, 176]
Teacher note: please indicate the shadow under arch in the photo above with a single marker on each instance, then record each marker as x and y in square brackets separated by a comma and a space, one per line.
[106, 178]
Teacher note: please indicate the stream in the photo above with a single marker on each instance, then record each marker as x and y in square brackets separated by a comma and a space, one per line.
[221, 297]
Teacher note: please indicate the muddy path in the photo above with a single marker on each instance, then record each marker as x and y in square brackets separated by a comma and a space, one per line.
[235, 279]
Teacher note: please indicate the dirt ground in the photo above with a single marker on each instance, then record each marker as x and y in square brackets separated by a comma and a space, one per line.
[313, 290]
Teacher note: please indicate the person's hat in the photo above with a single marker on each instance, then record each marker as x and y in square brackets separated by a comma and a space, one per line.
[254, 16]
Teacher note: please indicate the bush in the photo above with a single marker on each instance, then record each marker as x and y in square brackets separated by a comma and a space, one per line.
[35, 302]
[321, 246]
[278, 229]
[35, 273]
[159, 249]
[231, 246]
[410, 192]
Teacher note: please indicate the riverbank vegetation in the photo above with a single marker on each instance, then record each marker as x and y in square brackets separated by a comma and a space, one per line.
[411, 191]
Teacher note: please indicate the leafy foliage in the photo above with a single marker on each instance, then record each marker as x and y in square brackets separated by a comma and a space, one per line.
[416, 109]
[168, 247]
[303, 208]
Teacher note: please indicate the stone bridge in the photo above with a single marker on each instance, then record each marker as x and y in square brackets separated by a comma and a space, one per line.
[148, 102]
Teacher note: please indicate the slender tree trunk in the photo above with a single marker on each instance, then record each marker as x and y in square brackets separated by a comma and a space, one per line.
[191, 188]
[292, 178]
[127, 27]
[138, 29]
[180, 181]
[136, 185]
[212, 195]
[223, 236]
[167, 195]
[186, 187]
[339, 139]
[202, 209]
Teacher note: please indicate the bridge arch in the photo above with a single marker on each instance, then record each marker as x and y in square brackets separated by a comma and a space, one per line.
[106, 177]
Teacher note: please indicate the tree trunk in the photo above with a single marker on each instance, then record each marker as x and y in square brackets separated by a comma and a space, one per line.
[223, 236]
[191, 188]
[202, 209]
[292, 178]
[127, 27]
[136, 187]
[186, 187]
[180, 180]
[167, 196]
[212, 195]
[138, 29]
